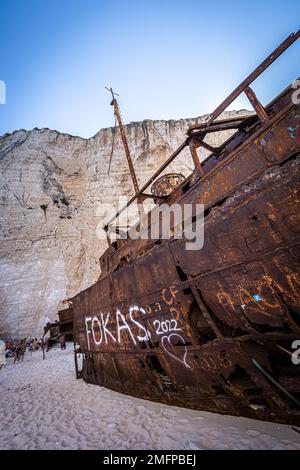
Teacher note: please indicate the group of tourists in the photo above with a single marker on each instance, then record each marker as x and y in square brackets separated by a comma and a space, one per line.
[17, 348]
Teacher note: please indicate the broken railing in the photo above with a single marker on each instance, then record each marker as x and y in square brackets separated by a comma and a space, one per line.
[197, 132]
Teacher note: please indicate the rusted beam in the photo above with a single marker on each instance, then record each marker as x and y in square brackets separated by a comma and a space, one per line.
[253, 75]
[107, 235]
[76, 362]
[195, 157]
[275, 382]
[153, 196]
[204, 312]
[156, 174]
[260, 110]
[220, 125]
[216, 128]
[117, 229]
[208, 147]
[265, 64]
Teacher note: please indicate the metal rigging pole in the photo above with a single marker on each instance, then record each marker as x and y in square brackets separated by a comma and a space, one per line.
[114, 103]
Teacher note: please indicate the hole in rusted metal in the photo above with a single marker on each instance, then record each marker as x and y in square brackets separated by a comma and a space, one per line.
[155, 365]
[142, 364]
[186, 187]
[202, 330]
[187, 291]
[241, 379]
[224, 329]
[265, 328]
[181, 273]
[295, 316]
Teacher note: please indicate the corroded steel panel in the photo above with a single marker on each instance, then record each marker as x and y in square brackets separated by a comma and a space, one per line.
[187, 327]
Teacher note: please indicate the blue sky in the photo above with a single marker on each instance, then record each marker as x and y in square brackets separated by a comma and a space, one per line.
[168, 59]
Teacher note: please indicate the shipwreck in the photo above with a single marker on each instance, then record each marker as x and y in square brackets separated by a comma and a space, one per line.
[210, 329]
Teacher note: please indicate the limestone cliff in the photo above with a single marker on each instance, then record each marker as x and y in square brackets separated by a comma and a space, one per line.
[51, 186]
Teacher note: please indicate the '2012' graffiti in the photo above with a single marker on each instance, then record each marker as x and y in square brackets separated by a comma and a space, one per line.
[168, 330]
[169, 326]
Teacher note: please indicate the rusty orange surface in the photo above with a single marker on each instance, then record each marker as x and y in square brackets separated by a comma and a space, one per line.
[186, 327]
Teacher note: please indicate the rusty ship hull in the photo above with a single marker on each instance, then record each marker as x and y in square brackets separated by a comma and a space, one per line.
[210, 329]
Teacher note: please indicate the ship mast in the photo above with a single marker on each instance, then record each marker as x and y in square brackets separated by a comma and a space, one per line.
[114, 103]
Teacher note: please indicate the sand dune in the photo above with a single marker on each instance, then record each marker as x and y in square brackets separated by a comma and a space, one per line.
[43, 406]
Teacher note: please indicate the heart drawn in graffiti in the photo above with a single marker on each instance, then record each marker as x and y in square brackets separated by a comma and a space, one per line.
[171, 349]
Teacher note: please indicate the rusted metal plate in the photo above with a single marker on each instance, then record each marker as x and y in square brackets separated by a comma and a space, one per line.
[235, 230]
[65, 315]
[184, 327]
[66, 324]
[251, 158]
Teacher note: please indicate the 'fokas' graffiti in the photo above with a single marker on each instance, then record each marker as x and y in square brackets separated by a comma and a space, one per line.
[97, 330]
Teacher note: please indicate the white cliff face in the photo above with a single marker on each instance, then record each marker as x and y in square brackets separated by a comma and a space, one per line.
[51, 187]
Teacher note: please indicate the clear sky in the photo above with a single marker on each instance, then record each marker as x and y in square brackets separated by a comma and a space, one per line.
[168, 59]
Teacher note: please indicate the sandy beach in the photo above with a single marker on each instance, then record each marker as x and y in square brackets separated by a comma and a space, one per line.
[43, 406]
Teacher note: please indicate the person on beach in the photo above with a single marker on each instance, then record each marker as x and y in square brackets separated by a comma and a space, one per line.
[2, 354]
[17, 352]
